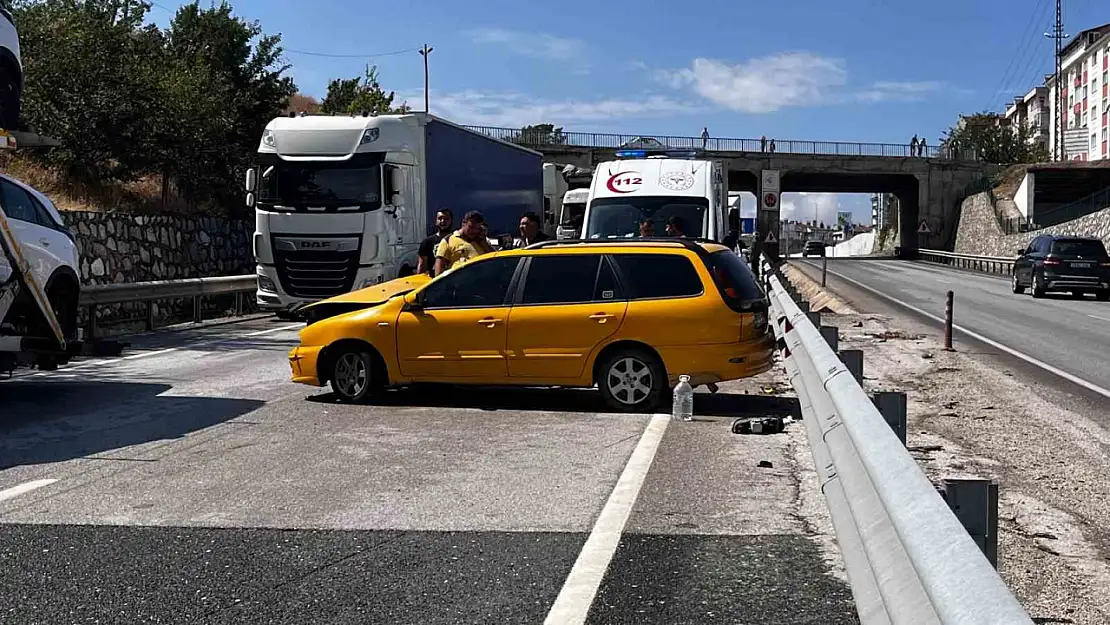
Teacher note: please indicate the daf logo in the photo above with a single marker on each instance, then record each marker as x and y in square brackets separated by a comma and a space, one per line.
[315, 244]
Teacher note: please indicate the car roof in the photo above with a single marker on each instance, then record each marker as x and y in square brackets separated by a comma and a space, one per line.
[1072, 237]
[618, 246]
[46, 202]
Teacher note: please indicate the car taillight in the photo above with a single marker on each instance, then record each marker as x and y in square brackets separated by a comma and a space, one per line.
[1051, 261]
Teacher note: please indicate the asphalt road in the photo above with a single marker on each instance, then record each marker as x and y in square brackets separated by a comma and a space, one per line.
[1072, 335]
[190, 482]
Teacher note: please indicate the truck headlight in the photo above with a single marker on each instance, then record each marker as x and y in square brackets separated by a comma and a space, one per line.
[266, 284]
[268, 138]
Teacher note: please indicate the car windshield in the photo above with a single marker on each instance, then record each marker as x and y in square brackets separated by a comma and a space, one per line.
[1079, 247]
[314, 184]
[619, 217]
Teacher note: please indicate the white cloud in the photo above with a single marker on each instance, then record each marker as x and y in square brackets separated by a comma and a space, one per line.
[784, 80]
[900, 91]
[801, 207]
[515, 110]
[537, 45]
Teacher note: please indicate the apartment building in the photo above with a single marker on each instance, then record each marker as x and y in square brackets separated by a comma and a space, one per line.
[884, 210]
[1032, 111]
[1085, 64]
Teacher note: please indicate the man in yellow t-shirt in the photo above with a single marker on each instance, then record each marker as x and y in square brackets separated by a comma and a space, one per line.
[468, 242]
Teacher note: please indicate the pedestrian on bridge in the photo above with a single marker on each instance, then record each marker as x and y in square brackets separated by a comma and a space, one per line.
[913, 146]
[704, 137]
[763, 143]
[921, 147]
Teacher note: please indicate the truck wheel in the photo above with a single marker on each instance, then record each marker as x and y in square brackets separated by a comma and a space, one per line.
[352, 375]
[632, 380]
[405, 272]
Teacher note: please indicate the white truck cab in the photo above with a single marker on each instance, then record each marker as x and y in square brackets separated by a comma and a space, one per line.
[11, 69]
[571, 213]
[641, 185]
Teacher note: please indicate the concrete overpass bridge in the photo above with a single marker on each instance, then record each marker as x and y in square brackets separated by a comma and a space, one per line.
[929, 186]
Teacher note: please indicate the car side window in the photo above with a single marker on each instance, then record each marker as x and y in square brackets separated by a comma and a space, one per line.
[655, 276]
[18, 204]
[567, 279]
[477, 284]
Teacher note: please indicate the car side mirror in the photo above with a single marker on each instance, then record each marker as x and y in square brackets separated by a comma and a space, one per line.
[412, 303]
[1021, 252]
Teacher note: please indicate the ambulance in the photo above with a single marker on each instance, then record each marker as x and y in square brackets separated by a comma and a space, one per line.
[656, 185]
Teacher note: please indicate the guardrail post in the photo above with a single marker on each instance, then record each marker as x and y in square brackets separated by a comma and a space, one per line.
[831, 334]
[238, 304]
[853, 360]
[892, 405]
[975, 504]
[150, 315]
[824, 269]
[814, 318]
[90, 330]
[197, 317]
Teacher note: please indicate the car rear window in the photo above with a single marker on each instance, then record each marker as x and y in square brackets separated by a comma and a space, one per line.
[655, 276]
[1079, 247]
[735, 281]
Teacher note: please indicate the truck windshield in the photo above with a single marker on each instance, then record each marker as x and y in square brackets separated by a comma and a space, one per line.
[572, 214]
[618, 217]
[331, 186]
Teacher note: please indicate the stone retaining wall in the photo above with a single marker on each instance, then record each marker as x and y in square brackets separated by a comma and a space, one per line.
[119, 247]
[979, 233]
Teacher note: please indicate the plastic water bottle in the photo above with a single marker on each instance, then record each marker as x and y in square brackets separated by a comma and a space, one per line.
[683, 406]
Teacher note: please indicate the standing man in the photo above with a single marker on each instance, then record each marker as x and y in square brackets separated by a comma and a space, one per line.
[468, 242]
[427, 262]
[704, 137]
[530, 231]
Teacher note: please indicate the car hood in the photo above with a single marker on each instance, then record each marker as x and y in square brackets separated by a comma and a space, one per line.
[363, 298]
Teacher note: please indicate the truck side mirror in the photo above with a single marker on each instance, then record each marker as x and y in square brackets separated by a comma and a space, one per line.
[251, 180]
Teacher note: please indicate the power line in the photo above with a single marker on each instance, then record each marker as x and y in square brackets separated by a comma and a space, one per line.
[351, 56]
[1027, 33]
[1030, 61]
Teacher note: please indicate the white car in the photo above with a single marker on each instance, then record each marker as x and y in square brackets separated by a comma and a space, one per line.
[11, 69]
[51, 250]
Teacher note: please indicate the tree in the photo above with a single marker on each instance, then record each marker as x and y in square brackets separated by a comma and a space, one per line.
[224, 82]
[352, 96]
[539, 134]
[994, 142]
[90, 73]
[302, 103]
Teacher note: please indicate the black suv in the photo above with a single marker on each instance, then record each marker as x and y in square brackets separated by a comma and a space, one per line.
[1054, 263]
[814, 248]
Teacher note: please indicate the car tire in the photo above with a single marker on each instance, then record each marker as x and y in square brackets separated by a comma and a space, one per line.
[1037, 288]
[1015, 286]
[632, 380]
[352, 375]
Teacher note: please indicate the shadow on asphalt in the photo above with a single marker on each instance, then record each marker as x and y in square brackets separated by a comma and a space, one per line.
[515, 399]
[57, 420]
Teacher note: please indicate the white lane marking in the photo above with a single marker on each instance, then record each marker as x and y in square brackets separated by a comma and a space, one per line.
[580, 588]
[157, 352]
[1099, 318]
[25, 487]
[1091, 386]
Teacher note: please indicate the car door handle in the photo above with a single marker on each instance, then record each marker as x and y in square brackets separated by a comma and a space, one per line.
[601, 317]
[45, 241]
[489, 321]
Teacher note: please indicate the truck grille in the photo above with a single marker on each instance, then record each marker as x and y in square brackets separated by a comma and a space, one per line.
[316, 275]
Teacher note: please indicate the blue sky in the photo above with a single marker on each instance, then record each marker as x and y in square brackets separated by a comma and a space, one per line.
[872, 71]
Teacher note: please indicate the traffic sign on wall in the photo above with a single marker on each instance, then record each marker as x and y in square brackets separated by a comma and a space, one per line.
[770, 200]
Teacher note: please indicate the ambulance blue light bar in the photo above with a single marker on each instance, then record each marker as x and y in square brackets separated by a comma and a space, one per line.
[641, 153]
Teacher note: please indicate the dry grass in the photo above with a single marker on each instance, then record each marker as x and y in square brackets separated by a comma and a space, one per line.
[142, 196]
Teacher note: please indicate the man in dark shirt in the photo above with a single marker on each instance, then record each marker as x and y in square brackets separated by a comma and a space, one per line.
[529, 231]
[427, 262]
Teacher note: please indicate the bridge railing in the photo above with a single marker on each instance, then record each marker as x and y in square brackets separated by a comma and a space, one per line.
[541, 139]
[987, 264]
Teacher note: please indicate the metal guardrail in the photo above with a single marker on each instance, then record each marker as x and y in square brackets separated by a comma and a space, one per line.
[907, 556]
[149, 292]
[554, 139]
[988, 264]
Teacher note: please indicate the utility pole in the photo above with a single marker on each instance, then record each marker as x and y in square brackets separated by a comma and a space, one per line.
[424, 52]
[1059, 35]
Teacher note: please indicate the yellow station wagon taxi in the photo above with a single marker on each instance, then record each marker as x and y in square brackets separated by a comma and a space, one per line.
[628, 316]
